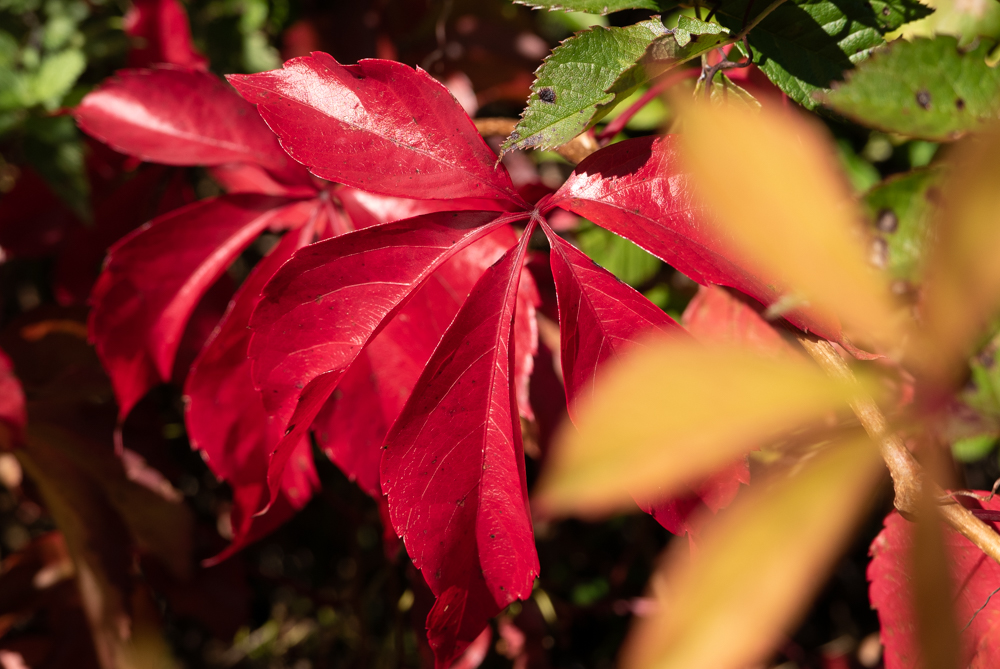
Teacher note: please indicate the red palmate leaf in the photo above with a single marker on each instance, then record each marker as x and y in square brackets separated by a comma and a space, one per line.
[453, 468]
[144, 297]
[226, 419]
[975, 578]
[161, 27]
[323, 307]
[637, 189]
[378, 125]
[182, 117]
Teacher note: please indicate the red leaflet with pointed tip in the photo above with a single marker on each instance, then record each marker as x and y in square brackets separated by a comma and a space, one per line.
[13, 414]
[164, 35]
[636, 189]
[226, 420]
[974, 577]
[144, 297]
[453, 468]
[378, 125]
[325, 304]
[599, 316]
[181, 117]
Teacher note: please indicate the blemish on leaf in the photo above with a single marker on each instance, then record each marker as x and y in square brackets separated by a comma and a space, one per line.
[547, 94]
[887, 221]
[959, 104]
[886, 11]
[924, 99]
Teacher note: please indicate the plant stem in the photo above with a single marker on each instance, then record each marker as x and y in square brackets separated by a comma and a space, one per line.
[619, 122]
[907, 475]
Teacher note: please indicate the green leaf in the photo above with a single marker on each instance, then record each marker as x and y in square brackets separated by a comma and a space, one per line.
[601, 7]
[900, 209]
[965, 20]
[927, 88]
[619, 256]
[970, 449]
[569, 94]
[56, 76]
[803, 46]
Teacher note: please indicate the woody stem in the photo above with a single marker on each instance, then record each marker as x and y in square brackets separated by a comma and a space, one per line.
[907, 475]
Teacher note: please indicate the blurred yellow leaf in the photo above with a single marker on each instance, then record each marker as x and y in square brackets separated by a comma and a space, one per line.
[783, 205]
[962, 285]
[672, 412]
[757, 567]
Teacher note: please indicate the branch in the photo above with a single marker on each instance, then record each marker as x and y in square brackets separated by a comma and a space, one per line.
[907, 476]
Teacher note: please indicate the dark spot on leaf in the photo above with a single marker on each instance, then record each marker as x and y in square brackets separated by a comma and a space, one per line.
[514, 136]
[887, 221]
[924, 99]
[959, 104]
[886, 11]
[547, 94]
[289, 430]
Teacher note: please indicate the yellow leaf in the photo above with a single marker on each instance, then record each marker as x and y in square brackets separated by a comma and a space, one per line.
[673, 412]
[756, 568]
[962, 284]
[781, 203]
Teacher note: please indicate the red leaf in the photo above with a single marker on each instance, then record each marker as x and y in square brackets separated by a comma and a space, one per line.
[181, 117]
[13, 414]
[156, 275]
[599, 316]
[975, 578]
[161, 27]
[366, 209]
[132, 204]
[453, 468]
[720, 316]
[353, 423]
[636, 189]
[227, 422]
[250, 178]
[325, 304]
[378, 125]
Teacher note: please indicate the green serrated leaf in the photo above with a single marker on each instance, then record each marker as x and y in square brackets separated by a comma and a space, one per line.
[895, 13]
[803, 46]
[601, 7]
[900, 209]
[619, 256]
[569, 94]
[928, 88]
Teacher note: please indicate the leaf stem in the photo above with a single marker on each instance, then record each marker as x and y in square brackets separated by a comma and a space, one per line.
[907, 476]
